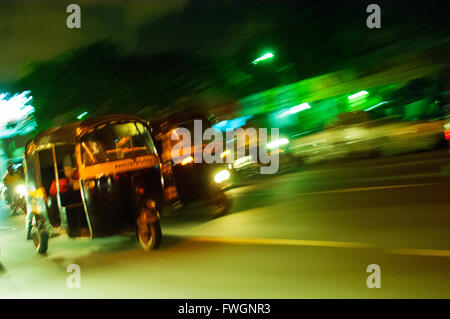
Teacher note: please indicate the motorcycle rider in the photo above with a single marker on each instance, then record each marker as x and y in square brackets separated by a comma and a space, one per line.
[11, 179]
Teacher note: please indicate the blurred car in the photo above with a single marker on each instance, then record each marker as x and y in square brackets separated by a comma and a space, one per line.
[359, 139]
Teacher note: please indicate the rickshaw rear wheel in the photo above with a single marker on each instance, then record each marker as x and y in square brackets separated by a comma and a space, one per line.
[148, 229]
[40, 238]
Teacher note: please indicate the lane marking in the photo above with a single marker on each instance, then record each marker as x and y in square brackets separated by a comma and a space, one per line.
[420, 252]
[332, 191]
[414, 163]
[319, 243]
[281, 241]
[369, 188]
[362, 166]
[325, 170]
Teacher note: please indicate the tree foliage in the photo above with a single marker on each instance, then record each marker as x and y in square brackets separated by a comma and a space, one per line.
[307, 40]
[101, 78]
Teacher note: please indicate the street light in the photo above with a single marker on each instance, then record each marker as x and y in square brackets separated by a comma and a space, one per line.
[295, 109]
[357, 95]
[82, 115]
[265, 56]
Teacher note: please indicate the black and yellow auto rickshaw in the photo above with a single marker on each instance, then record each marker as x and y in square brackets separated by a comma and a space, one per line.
[94, 178]
[186, 181]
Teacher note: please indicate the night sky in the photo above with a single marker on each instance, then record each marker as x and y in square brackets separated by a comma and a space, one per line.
[33, 30]
[36, 30]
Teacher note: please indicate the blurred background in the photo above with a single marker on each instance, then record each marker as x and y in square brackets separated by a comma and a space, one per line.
[357, 108]
[305, 67]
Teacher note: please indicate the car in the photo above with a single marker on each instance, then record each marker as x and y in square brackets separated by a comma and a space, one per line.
[381, 137]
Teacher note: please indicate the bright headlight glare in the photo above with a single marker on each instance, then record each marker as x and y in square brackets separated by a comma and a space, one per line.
[187, 160]
[227, 152]
[277, 143]
[222, 176]
[21, 190]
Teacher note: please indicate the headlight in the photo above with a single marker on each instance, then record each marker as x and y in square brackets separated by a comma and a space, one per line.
[279, 142]
[227, 152]
[222, 176]
[187, 160]
[21, 190]
[243, 161]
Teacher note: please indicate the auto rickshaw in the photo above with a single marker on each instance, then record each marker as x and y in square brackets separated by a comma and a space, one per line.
[186, 181]
[94, 178]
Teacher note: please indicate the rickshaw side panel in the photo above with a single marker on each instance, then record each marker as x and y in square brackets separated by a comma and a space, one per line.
[112, 202]
[39, 173]
[113, 189]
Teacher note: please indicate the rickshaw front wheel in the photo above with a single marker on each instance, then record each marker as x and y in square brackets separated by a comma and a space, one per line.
[40, 238]
[221, 203]
[148, 230]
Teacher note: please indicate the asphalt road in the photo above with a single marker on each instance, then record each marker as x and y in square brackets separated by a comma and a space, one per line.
[307, 234]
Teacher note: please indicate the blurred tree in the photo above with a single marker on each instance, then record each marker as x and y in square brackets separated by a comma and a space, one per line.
[313, 38]
[307, 38]
[76, 81]
[100, 78]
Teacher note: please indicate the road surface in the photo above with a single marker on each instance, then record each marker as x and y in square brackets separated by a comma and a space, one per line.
[308, 234]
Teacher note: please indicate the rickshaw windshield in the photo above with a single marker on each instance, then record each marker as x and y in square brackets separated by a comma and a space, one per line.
[113, 142]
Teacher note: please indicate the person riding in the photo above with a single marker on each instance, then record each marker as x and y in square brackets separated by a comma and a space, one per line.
[63, 184]
[11, 179]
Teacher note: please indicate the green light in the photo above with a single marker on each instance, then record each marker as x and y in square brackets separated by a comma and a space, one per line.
[357, 95]
[376, 105]
[266, 56]
[82, 115]
[295, 109]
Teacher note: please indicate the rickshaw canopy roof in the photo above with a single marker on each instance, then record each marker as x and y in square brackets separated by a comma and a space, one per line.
[73, 132]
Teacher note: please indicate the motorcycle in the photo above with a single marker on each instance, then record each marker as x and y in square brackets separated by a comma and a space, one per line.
[17, 204]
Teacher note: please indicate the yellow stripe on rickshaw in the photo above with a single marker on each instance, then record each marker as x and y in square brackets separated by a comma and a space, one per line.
[116, 167]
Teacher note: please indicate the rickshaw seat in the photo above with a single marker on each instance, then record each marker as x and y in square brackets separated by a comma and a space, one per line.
[69, 198]
[74, 205]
